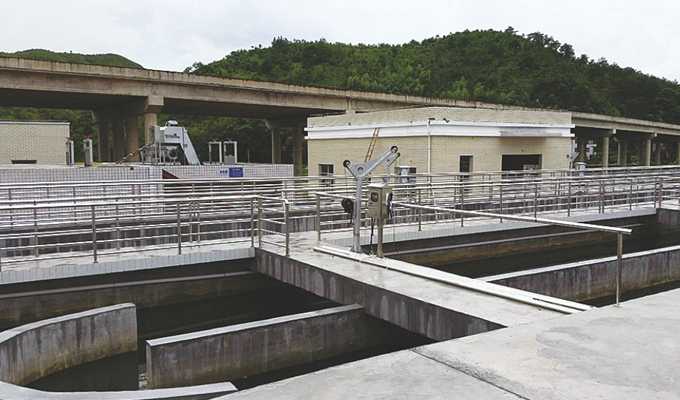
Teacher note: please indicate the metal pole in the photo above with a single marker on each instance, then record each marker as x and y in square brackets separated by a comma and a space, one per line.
[420, 213]
[501, 201]
[117, 228]
[318, 217]
[619, 266]
[252, 223]
[630, 196]
[259, 222]
[462, 206]
[356, 231]
[569, 199]
[286, 221]
[36, 252]
[601, 197]
[179, 230]
[380, 230]
[94, 234]
[535, 200]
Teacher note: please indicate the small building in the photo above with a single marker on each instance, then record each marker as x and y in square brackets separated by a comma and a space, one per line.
[27, 142]
[444, 140]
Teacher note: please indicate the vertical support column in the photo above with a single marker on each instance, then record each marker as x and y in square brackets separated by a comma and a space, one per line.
[276, 145]
[657, 152]
[677, 153]
[624, 151]
[299, 148]
[118, 138]
[275, 131]
[105, 143]
[132, 129]
[647, 151]
[150, 119]
[152, 106]
[605, 151]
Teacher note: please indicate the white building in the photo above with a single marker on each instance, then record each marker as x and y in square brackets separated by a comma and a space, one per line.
[25, 142]
[444, 140]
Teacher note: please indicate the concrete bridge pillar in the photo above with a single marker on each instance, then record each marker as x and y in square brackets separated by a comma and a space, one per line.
[132, 130]
[299, 148]
[118, 127]
[105, 137]
[152, 106]
[647, 151]
[623, 159]
[605, 151]
[275, 130]
[677, 153]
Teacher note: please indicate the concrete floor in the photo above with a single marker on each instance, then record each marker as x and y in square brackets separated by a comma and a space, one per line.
[627, 352]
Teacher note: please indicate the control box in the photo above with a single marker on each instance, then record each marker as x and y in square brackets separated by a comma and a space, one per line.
[379, 199]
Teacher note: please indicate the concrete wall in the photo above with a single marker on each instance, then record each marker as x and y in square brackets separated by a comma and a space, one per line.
[446, 151]
[44, 142]
[32, 303]
[428, 319]
[593, 279]
[39, 349]
[36, 350]
[258, 347]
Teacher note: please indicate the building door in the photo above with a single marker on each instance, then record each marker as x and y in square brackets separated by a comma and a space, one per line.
[465, 164]
[523, 162]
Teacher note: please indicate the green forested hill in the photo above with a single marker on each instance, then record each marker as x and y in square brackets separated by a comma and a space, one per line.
[532, 70]
[114, 60]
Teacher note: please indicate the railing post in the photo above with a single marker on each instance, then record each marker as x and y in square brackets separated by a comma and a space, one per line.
[94, 234]
[630, 195]
[117, 227]
[535, 200]
[259, 222]
[501, 200]
[420, 212]
[179, 230]
[252, 223]
[569, 198]
[317, 221]
[36, 251]
[462, 206]
[286, 221]
[660, 192]
[619, 266]
[601, 208]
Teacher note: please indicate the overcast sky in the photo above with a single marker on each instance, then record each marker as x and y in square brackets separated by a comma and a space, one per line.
[173, 34]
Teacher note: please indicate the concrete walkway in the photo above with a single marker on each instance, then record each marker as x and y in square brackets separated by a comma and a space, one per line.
[627, 352]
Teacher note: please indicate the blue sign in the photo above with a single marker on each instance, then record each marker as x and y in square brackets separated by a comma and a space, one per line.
[236, 172]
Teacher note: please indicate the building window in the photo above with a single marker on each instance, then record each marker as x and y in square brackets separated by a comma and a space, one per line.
[326, 170]
[521, 162]
[465, 167]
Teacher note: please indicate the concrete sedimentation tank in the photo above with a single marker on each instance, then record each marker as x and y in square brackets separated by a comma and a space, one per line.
[214, 286]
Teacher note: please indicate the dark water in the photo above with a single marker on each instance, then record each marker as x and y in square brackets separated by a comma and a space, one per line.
[126, 372]
[559, 255]
[634, 294]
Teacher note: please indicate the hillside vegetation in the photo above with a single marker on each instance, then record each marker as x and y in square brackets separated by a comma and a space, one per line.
[533, 70]
[113, 60]
[505, 67]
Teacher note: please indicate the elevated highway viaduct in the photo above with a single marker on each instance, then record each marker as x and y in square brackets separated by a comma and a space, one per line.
[124, 97]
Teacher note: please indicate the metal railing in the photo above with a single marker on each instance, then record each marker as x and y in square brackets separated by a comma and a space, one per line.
[98, 228]
[124, 217]
[619, 232]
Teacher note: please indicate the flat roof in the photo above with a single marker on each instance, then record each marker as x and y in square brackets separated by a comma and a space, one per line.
[422, 114]
[34, 122]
